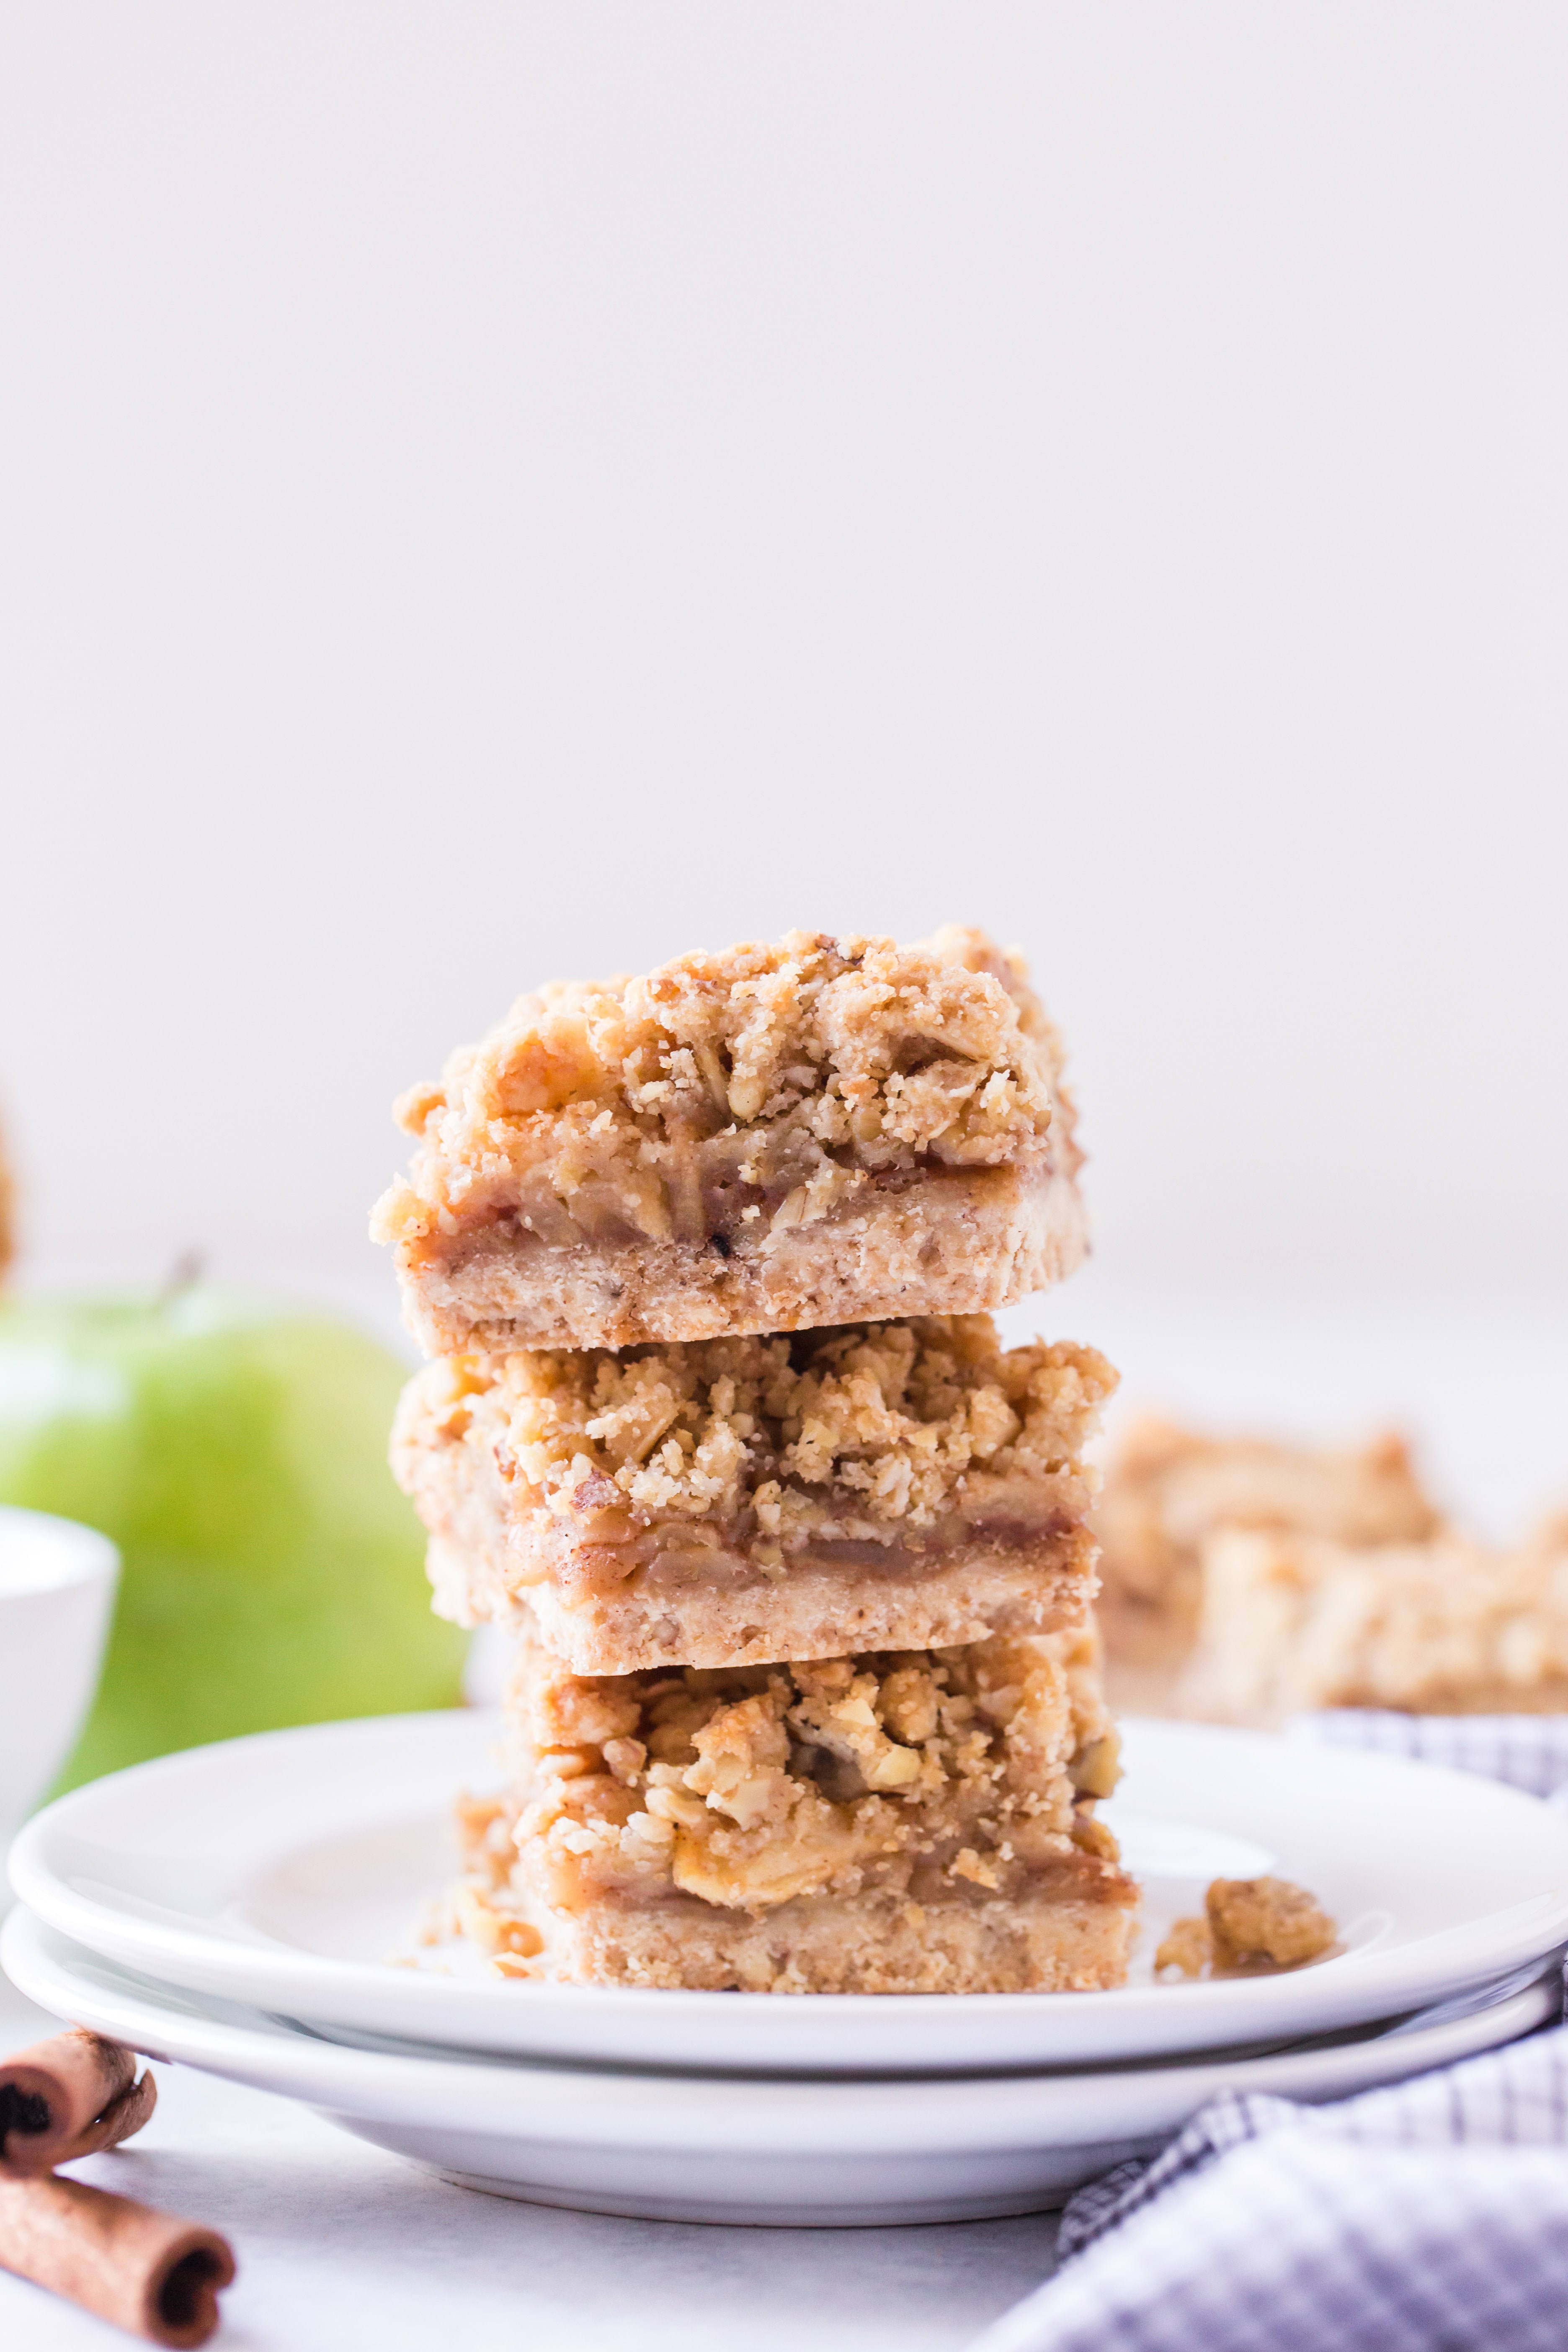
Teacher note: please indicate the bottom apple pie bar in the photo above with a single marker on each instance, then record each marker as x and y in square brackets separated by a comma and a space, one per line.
[896, 1822]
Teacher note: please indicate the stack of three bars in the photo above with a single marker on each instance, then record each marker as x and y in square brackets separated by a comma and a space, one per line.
[807, 1695]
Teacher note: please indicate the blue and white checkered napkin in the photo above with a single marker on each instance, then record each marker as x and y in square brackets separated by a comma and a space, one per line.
[1429, 2217]
[1531, 1751]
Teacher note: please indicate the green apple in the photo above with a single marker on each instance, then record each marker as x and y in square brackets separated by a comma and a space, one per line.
[237, 1453]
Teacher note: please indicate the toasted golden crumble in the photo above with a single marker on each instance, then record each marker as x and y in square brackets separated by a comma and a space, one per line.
[477, 1908]
[1266, 1920]
[922, 1771]
[889, 1423]
[761, 1081]
[493, 1929]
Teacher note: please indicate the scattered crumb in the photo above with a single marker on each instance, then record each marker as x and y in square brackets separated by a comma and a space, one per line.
[1252, 1924]
[1268, 1920]
[1189, 1948]
[512, 1966]
[492, 1930]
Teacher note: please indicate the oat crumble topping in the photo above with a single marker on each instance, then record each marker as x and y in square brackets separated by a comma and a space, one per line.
[879, 1427]
[1266, 1920]
[925, 1771]
[778, 1079]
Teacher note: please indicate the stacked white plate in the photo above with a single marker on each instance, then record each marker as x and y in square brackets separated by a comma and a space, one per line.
[238, 1908]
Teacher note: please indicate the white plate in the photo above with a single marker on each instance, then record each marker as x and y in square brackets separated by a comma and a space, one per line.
[704, 2148]
[286, 1869]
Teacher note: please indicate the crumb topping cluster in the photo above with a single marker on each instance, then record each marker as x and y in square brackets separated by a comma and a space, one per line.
[923, 1771]
[882, 1427]
[758, 1086]
[1248, 1924]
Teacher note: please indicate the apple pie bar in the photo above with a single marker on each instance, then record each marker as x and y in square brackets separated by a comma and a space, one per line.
[1291, 1622]
[759, 1139]
[900, 1821]
[1168, 1489]
[724, 1502]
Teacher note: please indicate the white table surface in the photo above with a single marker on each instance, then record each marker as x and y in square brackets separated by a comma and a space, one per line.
[340, 2245]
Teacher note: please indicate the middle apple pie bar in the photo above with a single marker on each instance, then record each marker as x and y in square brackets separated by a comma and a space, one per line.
[907, 1821]
[878, 1486]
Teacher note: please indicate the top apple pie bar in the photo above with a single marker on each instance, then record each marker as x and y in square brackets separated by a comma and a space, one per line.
[762, 1139]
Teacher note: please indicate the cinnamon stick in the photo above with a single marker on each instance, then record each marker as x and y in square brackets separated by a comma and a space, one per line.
[148, 2272]
[67, 2098]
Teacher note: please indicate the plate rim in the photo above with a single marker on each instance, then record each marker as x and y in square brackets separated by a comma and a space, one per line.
[326, 1987]
[701, 2111]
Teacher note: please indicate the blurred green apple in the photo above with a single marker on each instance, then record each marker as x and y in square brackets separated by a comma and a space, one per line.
[237, 1453]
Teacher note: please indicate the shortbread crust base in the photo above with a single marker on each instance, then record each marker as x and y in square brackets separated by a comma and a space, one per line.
[1073, 1935]
[809, 1612]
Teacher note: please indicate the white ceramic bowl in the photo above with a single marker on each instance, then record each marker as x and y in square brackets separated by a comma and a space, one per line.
[56, 1591]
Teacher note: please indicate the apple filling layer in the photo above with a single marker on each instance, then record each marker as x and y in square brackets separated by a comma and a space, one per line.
[687, 1153]
[903, 1821]
[893, 1486]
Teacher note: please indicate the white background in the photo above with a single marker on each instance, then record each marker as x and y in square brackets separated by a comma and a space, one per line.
[493, 491]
